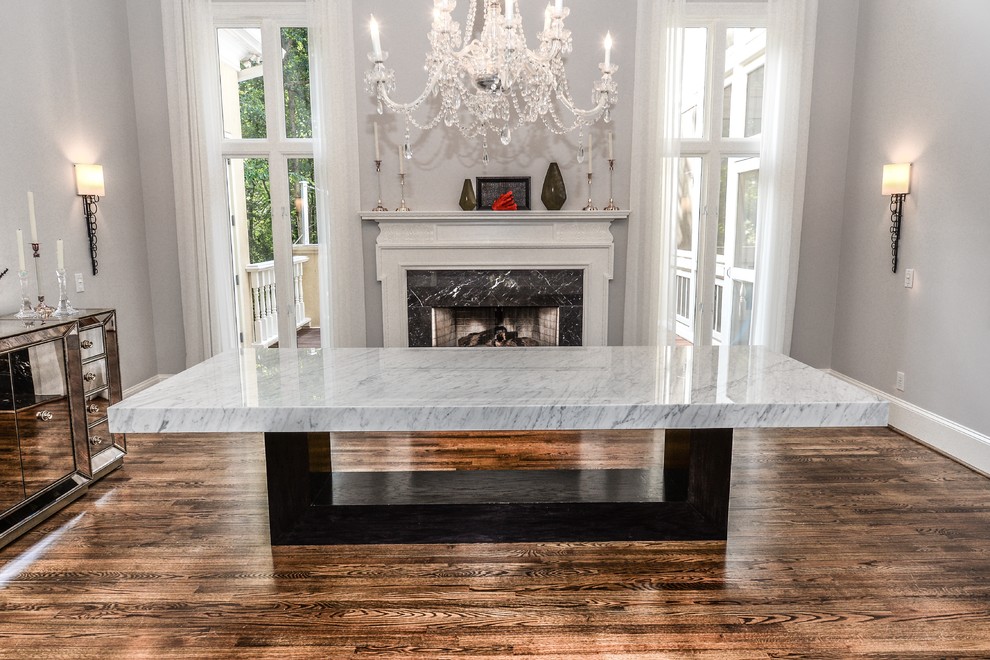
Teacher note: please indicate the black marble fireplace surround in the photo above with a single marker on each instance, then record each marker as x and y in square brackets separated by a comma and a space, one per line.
[563, 289]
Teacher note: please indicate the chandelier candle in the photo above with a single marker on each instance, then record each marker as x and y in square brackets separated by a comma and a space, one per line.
[376, 40]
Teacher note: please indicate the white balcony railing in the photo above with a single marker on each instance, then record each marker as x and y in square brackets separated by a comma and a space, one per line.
[264, 309]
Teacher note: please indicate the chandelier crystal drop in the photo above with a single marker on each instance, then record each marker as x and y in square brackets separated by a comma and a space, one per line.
[495, 83]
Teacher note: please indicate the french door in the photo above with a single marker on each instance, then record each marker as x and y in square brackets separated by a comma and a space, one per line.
[722, 102]
[268, 173]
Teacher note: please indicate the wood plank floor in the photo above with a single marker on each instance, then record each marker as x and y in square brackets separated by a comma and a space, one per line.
[841, 544]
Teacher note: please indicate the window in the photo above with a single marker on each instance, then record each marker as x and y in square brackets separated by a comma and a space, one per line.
[719, 183]
[267, 150]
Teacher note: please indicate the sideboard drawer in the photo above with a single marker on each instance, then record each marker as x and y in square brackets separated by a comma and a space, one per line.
[100, 438]
[91, 342]
[96, 406]
[94, 375]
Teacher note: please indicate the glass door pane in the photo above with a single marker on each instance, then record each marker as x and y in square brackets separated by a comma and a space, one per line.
[742, 105]
[295, 79]
[693, 85]
[242, 83]
[688, 224]
[252, 246]
[742, 187]
[305, 251]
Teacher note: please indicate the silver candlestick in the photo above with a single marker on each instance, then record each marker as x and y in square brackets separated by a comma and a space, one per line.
[611, 180]
[378, 171]
[402, 194]
[64, 308]
[591, 206]
[43, 310]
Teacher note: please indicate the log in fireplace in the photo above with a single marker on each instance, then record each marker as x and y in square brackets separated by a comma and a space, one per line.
[527, 307]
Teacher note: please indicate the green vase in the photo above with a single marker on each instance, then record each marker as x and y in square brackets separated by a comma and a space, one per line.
[468, 201]
[553, 195]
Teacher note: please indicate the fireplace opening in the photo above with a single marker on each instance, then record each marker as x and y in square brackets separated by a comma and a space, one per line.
[525, 307]
[496, 326]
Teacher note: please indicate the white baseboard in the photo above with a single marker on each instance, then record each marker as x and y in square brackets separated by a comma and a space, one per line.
[956, 441]
[145, 384]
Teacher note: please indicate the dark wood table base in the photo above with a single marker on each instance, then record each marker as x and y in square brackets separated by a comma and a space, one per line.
[687, 498]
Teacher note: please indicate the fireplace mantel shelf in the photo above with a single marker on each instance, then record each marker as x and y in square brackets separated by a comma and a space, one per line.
[517, 217]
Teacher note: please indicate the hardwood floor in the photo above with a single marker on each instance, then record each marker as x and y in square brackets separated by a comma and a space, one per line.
[841, 544]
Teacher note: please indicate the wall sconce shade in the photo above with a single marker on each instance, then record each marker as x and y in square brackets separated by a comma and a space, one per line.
[896, 179]
[90, 186]
[89, 180]
[897, 184]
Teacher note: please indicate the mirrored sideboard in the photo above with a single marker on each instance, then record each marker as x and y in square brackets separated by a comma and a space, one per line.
[101, 384]
[57, 378]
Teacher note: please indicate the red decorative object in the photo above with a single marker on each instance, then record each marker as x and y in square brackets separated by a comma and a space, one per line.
[505, 203]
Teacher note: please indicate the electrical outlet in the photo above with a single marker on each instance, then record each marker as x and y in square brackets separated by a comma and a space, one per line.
[80, 287]
[899, 383]
[909, 278]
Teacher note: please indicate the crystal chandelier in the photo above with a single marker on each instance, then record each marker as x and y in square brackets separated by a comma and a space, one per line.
[495, 83]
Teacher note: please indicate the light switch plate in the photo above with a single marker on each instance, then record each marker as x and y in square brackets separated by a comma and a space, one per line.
[80, 287]
[909, 278]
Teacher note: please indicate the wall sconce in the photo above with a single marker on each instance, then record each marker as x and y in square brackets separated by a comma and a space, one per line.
[89, 186]
[897, 184]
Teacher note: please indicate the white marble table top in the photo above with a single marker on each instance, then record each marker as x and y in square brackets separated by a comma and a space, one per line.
[437, 389]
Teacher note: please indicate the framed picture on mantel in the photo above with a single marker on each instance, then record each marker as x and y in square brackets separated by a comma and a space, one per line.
[490, 188]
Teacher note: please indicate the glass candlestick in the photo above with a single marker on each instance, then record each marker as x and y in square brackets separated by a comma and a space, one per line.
[402, 187]
[64, 307]
[591, 206]
[611, 180]
[378, 171]
[43, 310]
[27, 312]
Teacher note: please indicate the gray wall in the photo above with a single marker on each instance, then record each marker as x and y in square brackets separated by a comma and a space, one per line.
[68, 96]
[443, 158]
[918, 96]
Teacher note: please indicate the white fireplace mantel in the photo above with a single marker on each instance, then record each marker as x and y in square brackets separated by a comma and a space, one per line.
[491, 240]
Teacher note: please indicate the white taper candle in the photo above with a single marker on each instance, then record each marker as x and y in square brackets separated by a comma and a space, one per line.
[20, 251]
[31, 218]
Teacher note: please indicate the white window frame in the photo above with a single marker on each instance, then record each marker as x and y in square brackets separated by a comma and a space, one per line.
[712, 147]
[208, 306]
[275, 147]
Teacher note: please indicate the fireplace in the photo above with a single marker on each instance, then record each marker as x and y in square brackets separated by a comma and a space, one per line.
[503, 308]
[432, 262]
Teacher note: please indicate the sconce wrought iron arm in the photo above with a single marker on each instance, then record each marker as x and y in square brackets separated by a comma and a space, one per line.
[89, 211]
[896, 212]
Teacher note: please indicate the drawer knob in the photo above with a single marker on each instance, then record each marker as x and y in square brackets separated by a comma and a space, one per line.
[92, 408]
[89, 377]
[96, 440]
[85, 343]
[45, 415]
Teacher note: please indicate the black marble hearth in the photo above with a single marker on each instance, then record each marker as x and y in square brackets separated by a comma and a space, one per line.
[500, 291]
